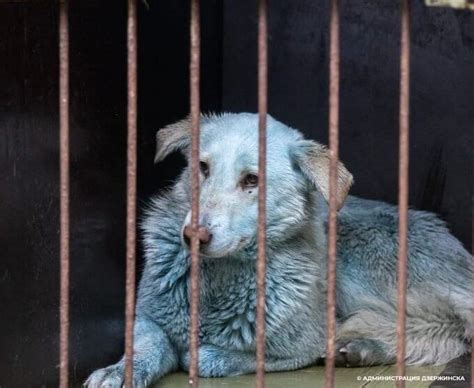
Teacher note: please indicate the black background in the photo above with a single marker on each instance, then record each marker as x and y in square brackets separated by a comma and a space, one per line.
[441, 137]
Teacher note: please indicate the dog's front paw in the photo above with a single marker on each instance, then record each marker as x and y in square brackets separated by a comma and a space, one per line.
[113, 377]
[213, 362]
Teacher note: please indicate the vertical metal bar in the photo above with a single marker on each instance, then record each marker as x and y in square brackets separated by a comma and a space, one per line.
[334, 58]
[64, 193]
[403, 186]
[262, 188]
[131, 188]
[194, 70]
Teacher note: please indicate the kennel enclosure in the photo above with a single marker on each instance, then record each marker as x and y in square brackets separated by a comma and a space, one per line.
[194, 87]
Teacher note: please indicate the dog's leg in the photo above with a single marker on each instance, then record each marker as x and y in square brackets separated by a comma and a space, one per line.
[362, 352]
[434, 334]
[154, 356]
[218, 362]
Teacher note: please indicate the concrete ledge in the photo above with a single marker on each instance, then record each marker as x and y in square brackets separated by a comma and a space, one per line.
[310, 377]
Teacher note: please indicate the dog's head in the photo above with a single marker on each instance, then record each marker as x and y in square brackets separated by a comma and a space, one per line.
[296, 168]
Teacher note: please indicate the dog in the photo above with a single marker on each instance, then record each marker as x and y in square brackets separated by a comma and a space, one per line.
[438, 326]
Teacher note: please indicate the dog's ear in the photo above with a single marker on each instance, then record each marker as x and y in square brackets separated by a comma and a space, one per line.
[173, 137]
[313, 160]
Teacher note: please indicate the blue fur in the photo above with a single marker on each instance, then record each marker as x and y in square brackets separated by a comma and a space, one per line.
[438, 284]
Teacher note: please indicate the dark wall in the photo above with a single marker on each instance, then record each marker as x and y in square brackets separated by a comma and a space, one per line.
[29, 201]
[442, 79]
[442, 116]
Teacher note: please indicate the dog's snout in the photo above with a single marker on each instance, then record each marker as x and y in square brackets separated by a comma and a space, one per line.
[203, 234]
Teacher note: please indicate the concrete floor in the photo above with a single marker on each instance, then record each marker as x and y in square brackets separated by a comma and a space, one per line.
[309, 377]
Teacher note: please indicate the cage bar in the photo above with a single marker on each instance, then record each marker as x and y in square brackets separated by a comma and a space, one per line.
[194, 70]
[334, 58]
[403, 187]
[131, 188]
[262, 189]
[64, 194]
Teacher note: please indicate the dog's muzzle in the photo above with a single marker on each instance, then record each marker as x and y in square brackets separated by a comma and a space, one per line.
[203, 234]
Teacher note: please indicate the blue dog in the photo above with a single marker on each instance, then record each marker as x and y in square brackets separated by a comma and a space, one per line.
[438, 313]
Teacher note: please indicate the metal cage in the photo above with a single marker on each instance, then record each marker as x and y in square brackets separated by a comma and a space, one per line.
[194, 68]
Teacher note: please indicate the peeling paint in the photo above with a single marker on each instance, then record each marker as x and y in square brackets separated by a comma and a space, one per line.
[460, 4]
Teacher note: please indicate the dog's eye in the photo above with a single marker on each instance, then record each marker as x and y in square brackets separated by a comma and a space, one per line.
[204, 167]
[250, 180]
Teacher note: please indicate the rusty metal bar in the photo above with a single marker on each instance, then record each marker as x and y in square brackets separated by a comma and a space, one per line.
[334, 58]
[194, 70]
[64, 194]
[131, 188]
[262, 189]
[403, 187]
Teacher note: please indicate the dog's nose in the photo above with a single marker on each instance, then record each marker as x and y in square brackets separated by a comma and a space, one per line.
[203, 234]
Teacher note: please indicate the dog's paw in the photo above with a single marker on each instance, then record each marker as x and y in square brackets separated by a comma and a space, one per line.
[113, 377]
[213, 362]
[360, 352]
